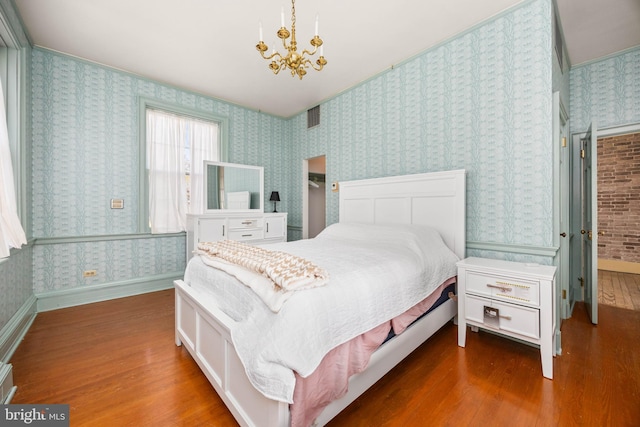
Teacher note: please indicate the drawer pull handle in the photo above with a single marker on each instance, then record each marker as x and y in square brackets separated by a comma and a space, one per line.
[491, 313]
[247, 235]
[247, 222]
[502, 288]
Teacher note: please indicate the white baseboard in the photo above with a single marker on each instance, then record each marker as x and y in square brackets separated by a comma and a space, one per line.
[54, 300]
[619, 266]
[16, 328]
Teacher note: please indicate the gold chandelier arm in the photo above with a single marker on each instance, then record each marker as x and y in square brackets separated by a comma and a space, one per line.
[306, 52]
[321, 62]
[273, 55]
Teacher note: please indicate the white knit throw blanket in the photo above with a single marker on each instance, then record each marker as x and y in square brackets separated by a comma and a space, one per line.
[288, 272]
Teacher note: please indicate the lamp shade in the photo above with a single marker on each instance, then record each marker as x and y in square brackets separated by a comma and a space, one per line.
[275, 197]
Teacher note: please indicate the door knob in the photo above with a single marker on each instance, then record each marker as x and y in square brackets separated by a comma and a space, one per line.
[563, 234]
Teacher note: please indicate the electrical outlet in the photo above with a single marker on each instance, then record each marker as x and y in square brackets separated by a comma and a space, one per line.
[89, 273]
[117, 203]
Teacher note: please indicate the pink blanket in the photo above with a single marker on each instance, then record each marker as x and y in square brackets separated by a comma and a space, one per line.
[330, 380]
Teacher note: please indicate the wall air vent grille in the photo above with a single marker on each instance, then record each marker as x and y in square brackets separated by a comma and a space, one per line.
[313, 117]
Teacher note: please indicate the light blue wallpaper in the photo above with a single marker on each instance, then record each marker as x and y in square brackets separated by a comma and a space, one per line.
[481, 102]
[60, 266]
[15, 283]
[607, 92]
[85, 152]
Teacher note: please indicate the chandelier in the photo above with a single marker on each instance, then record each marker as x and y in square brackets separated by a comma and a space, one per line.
[294, 61]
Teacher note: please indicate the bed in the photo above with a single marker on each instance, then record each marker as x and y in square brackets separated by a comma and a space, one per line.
[206, 329]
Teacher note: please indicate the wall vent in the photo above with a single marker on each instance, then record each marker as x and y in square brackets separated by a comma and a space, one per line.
[313, 117]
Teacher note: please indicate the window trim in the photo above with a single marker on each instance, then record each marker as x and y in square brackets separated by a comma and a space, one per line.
[143, 183]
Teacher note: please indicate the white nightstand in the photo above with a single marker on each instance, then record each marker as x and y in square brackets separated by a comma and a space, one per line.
[510, 298]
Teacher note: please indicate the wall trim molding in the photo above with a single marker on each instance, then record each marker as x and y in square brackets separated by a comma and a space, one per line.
[12, 333]
[605, 58]
[103, 238]
[64, 298]
[548, 251]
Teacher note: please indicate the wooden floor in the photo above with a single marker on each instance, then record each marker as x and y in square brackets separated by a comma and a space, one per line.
[619, 289]
[115, 363]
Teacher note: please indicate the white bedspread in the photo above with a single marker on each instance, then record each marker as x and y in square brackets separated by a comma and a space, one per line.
[376, 273]
[274, 275]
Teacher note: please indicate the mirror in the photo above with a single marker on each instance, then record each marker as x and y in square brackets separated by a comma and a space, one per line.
[233, 187]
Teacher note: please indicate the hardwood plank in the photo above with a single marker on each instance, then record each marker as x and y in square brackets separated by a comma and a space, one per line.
[115, 363]
[606, 294]
[619, 289]
[622, 290]
[633, 283]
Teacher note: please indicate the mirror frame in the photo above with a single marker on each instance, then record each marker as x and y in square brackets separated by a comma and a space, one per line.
[260, 170]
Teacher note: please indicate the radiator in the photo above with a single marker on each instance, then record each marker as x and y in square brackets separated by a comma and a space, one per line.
[7, 388]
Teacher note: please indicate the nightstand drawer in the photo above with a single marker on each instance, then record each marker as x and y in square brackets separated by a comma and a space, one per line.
[245, 222]
[517, 319]
[507, 289]
[240, 235]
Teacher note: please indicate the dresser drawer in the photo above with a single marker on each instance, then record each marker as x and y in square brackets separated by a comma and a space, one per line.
[507, 289]
[245, 222]
[240, 235]
[513, 318]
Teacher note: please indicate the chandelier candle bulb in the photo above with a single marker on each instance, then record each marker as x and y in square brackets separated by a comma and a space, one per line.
[260, 28]
[316, 25]
[282, 17]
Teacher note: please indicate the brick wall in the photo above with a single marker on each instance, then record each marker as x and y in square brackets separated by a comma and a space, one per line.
[619, 198]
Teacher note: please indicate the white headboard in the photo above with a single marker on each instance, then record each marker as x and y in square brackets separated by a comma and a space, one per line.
[436, 199]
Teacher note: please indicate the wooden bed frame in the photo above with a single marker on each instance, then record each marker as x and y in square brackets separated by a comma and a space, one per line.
[436, 199]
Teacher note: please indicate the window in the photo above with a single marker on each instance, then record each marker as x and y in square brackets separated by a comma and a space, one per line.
[176, 145]
[12, 199]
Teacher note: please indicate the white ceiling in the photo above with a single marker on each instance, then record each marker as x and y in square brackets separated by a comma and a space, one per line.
[208, 46]
[596, 28]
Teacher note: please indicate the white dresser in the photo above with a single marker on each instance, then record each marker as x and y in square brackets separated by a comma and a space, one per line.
[253, 228]
[509, 298]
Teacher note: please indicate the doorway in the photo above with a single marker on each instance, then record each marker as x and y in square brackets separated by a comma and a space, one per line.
[604, 231]
[314, 196]
[619, 220]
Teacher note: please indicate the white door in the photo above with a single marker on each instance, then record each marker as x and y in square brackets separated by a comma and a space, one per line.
[589, 155]
[564, 226]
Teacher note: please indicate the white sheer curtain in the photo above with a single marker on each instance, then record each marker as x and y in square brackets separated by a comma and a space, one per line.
[204, 146]
[175, 145]
[11, 232]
